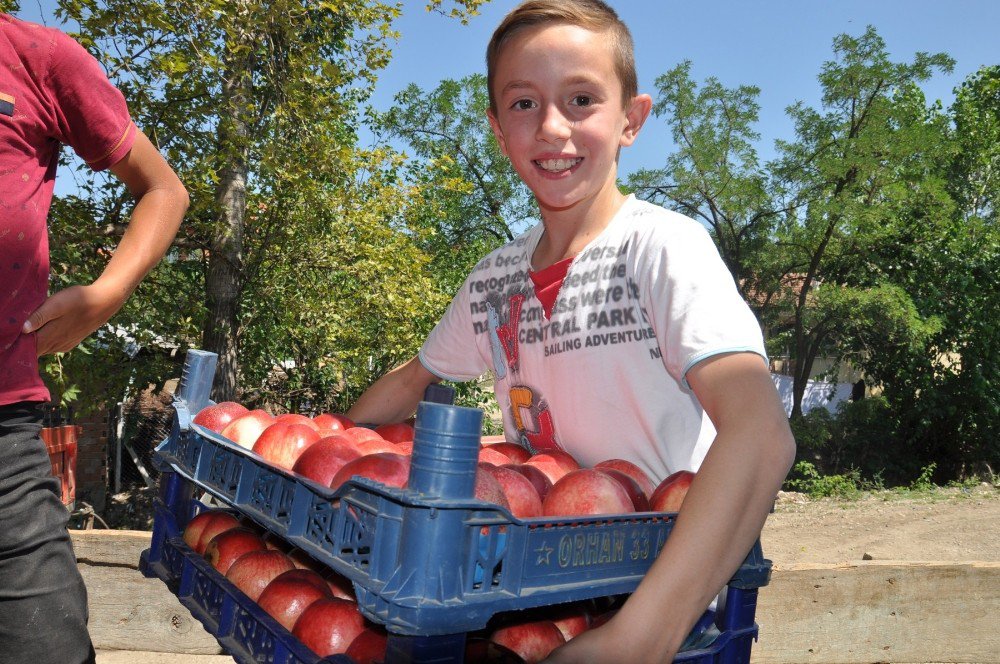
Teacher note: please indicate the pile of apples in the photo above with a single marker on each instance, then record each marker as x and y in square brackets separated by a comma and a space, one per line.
[329, 449]
[317, 605]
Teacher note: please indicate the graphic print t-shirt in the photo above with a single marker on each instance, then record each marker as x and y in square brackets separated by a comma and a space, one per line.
[604, 376]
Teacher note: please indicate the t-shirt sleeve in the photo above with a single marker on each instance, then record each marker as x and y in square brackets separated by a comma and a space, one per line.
[450, 351]
[91, 114]
[697, 311]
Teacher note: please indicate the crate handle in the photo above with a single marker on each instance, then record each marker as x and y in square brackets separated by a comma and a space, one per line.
[196, 381]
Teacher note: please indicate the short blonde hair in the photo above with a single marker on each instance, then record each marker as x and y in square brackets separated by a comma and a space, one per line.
[589, 14]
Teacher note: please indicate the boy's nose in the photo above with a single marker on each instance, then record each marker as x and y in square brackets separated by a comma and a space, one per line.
[554, 126]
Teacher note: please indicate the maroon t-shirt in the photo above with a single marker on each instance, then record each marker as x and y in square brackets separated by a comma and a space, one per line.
[52, 92]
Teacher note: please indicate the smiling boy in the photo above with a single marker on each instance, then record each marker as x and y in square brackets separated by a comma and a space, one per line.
[612, 329]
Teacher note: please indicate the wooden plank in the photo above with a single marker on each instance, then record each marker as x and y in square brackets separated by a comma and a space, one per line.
[127, 610]
[877, 611]
[144, 657]
[880, 612]
[110, 547]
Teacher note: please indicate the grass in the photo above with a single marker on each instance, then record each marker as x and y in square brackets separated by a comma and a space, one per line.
[851, 486]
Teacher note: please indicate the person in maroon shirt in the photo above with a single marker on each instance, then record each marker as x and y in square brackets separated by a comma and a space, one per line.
[54, 93]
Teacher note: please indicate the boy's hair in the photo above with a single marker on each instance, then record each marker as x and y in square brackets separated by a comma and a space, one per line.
[589, 14]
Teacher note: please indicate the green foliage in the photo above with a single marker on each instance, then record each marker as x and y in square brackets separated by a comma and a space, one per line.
[468, 200]
[256, 105]
[923, 481]
[714, 176]
[807, 479]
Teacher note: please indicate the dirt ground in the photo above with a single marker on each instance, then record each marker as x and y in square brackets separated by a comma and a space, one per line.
[945, 525]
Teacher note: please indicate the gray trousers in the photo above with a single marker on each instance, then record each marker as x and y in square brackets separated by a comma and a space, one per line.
[43, 602]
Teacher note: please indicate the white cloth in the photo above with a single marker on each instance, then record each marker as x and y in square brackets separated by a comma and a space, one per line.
[604, 377]
[818, 394]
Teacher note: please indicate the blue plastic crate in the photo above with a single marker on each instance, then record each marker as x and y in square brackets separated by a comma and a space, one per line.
[236, 621]
[425, 561]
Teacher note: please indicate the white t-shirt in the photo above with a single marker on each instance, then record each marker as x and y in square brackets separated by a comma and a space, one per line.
[605, 376]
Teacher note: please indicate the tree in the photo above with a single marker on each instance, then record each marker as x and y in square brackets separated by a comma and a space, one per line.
[715, 176]
[850, 169]
[471, 199]
[255, 103]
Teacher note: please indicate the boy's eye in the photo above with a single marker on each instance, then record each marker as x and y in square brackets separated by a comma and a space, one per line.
[524, 104]
[582, 100]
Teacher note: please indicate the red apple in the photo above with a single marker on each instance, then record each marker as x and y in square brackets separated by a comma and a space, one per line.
[488, 489]
[218, 416]
[584, 492]
[563, 459]
[520, 492]
[633, 471]
[310, 576]
[640, 503]
[328, 626]
[321, 461]
[253, 571]
[397, 432]
[194, 527]
[290, 593]
[296, 418]
[340, 586]
[369, 646]
[226, 548]
[244, 431]
[360, 434]
[275, 542]
[219, 523]
[388, 468]
[405, 447]
[372, 446]
[495, 457]
[482, 651]
[553, 463]
[572, 620]
[516, 453]
[538, 479]
[533, 641]
[669, 495]
[334, 421]
[282, 443]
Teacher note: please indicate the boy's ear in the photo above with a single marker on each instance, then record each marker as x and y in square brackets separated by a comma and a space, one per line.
[497, 131]
[636, 114]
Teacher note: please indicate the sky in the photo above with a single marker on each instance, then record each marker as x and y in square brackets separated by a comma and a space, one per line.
[776, 45]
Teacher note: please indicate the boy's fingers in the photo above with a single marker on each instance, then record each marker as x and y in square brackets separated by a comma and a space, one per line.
[39, 317]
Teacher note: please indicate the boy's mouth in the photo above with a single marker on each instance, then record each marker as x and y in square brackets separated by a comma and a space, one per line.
[557, 165]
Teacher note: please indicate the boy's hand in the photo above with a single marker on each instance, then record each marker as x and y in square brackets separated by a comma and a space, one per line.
[604, 645]
[68, 317]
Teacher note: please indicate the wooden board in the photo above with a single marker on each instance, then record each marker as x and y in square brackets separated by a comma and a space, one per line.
[145, 657]
[860, 613]
[880, 612]
[127, 610]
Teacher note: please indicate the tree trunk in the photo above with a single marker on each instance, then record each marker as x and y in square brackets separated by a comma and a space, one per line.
[225, 280]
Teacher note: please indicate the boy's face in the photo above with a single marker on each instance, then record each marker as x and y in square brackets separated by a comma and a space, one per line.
[559, 116]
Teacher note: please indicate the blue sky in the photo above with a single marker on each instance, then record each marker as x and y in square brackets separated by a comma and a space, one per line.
[777, 45]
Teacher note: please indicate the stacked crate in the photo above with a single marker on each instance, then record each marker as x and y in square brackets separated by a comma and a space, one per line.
[429, 562]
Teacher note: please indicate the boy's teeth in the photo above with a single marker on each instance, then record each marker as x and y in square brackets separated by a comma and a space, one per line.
[558, 164]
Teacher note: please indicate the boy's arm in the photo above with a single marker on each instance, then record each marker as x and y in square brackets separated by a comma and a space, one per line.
[67, 317]
[394, 396]
[721, 518]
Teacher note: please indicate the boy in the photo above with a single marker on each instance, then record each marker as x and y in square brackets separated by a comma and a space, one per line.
[53, 92]
[613, 329]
